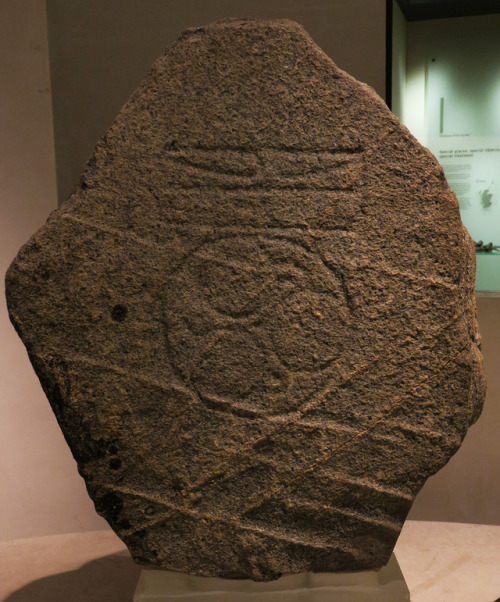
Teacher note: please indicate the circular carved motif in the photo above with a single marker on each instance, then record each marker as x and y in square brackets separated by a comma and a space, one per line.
[253, 320]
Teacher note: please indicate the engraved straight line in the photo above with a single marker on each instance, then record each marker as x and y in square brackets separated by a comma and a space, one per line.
[420, 430]
[339, 427]
[237, 410]
[408, 275]
[316, 178]
[228, 465]
[84, 359]
[273, 230]
[392, 129]
[231, 408]
[207, 402]
[341, 194]
[199, 162]
[100, 364]
[363, 482]
[279, 149]
[252, 443]
[258, 500]
[258, 186]
[109, 230]
[386, 524]
[234, 231]
[188, 226]
[344, 478]
[143, 241]
[234, 521]
[199, 159]
[249, 230]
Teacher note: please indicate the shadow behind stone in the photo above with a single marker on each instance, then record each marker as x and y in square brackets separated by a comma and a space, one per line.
[111, 578]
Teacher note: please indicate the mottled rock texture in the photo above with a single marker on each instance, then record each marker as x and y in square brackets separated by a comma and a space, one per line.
[254, 318]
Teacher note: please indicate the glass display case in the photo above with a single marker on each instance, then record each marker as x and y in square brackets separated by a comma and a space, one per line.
[463, 132]
[446, 90]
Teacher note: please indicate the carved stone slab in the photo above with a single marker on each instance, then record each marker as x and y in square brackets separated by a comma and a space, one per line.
[254, 318]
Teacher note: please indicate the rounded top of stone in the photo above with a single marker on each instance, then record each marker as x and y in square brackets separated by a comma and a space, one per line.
[257, 24]
[232, 22]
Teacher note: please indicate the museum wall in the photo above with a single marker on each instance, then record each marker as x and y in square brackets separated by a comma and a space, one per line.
[40, 490]
[467, 489]
[99, 51]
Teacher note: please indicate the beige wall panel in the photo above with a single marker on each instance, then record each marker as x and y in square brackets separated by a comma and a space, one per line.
[41, 492]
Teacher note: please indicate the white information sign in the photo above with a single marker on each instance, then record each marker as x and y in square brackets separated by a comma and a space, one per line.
[472, 167]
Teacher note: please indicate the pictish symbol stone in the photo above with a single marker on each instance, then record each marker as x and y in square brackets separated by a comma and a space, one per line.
[254, 318]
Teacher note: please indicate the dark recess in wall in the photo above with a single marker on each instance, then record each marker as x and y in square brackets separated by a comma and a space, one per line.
[420, 10]
[388, 52]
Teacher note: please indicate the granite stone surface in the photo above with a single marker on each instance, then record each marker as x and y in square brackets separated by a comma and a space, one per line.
[254, 318]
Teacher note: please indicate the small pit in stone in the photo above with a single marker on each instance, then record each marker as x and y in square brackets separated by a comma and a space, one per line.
[115, 463]
[119, 313]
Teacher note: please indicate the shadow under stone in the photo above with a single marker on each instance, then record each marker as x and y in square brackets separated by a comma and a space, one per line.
[111, 578]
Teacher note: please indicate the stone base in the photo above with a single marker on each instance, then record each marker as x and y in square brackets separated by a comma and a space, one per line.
[382, 585]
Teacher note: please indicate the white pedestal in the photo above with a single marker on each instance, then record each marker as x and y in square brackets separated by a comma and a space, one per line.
[382, 585]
